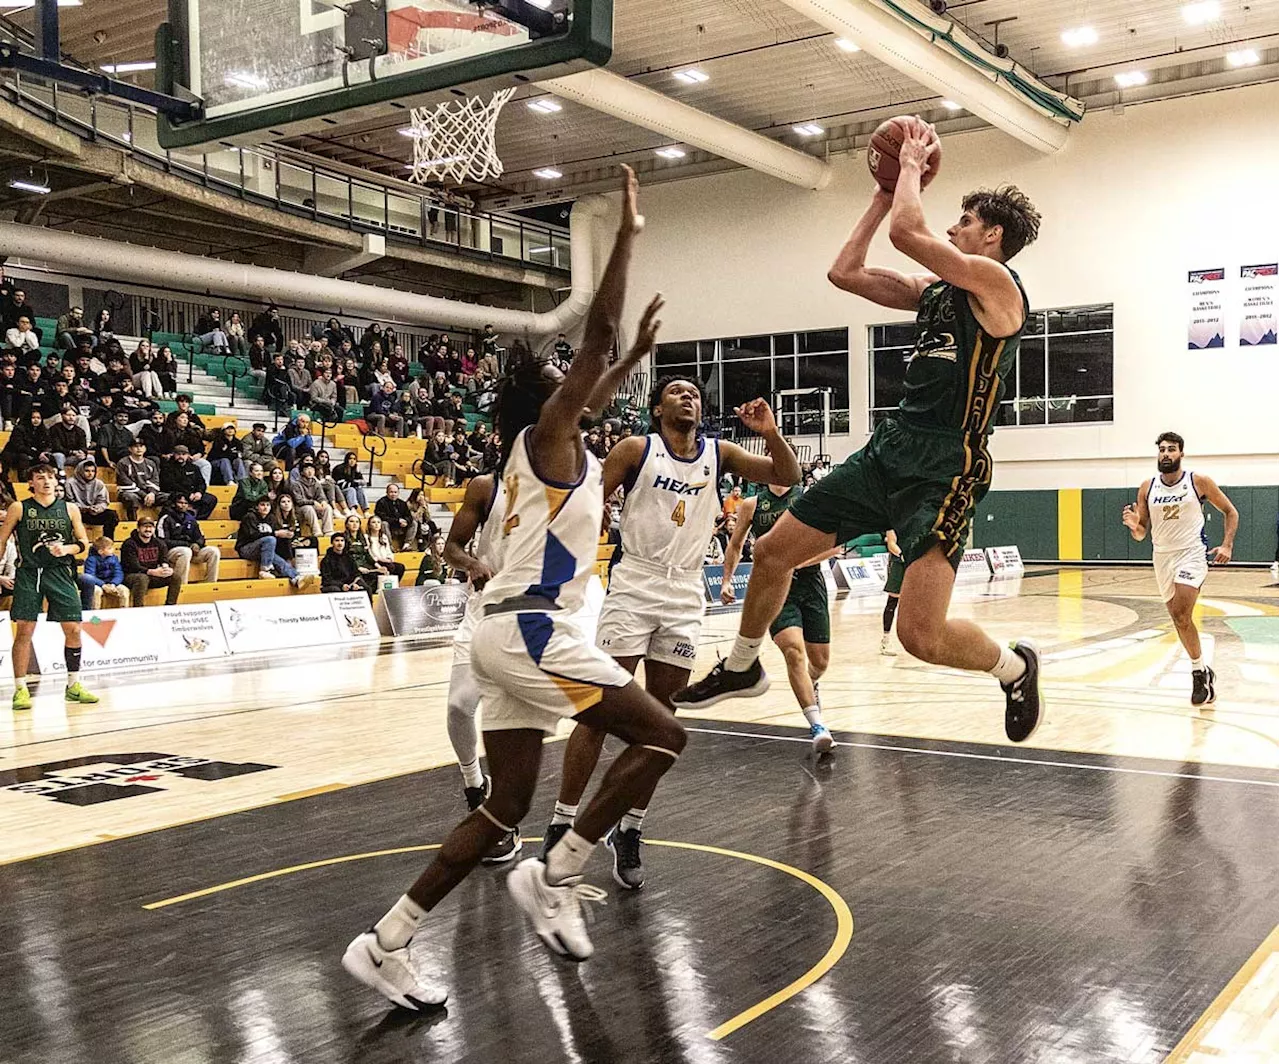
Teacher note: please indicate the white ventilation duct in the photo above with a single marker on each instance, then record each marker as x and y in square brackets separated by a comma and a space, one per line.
[151, 266]
[641, 106]
[886, 37]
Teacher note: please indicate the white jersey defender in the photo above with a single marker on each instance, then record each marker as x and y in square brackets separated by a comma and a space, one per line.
[489, 551]
[533, 660]
[1178, 542]
[655, 602]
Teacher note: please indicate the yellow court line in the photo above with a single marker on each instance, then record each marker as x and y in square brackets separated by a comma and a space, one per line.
[1188, 1045]
[844, 917]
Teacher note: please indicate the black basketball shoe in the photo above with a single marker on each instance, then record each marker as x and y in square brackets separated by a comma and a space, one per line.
[1022, 701]
[1202, 690]
[505, 848]
[475, 796]
[628, 872]
[553, 834]
[720, 683]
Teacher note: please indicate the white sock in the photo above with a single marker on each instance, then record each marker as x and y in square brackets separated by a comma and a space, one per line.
[1010, 667]
[813, 714]
[633, 820]
[73, 678]
[568, 857]
[564, 813]
[1197, 664]
[399, 925]
[471, 774]
[744, 652]
[22, 681]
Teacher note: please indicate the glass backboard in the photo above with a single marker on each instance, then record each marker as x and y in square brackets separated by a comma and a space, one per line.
[265, 69]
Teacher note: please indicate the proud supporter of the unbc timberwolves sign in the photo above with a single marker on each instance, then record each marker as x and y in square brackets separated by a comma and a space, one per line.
[101, 778]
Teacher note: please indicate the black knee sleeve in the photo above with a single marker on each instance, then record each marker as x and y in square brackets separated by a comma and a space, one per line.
[890, 608]
[72, 657]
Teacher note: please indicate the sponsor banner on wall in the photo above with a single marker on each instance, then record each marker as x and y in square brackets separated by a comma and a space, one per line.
[425, 610]
[257, 625]
[133, 638]
[1005, 561]
[1258, 305]
[880, 566]
[1205, 325]
[353, 614]
[973, 566]
[713, 574]
[859, 577]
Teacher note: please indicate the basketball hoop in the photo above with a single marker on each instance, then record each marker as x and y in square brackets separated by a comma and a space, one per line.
[455, 140]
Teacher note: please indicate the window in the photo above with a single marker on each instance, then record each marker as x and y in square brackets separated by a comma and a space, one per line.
[734, 369]
[1063, 373]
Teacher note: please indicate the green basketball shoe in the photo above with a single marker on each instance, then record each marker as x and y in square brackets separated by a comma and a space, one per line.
[77, 693]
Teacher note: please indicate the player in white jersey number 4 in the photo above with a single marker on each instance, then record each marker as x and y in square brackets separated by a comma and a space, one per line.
[533, 663]
[1170, 507]
[653, 611]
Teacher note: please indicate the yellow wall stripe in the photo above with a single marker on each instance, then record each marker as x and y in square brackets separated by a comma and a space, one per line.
[1070, 524]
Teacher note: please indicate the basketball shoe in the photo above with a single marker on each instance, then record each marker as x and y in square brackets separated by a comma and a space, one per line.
[628, 871]
[77, 693]
[389, 972]
[720, 683]
[822, 740]
[1022, 702]
[553, 834]
[1202, 689]
[556, 912]
[509, 844]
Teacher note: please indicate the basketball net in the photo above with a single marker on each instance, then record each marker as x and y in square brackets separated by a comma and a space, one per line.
[455, 140]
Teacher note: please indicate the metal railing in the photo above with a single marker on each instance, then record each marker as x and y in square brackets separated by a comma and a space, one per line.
[295, 186]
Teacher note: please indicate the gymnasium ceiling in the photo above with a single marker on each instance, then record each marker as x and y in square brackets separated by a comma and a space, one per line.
[770, 68]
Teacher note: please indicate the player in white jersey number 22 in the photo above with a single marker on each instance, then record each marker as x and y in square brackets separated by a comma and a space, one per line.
[533, 663]
[1170, 507]
[653, 611]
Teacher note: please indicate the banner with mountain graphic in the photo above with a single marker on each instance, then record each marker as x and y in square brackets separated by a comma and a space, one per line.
[1205, 327]
[1258, 304]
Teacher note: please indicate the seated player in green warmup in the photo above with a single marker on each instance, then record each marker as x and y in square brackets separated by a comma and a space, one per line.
[50, 534]
[802, 630]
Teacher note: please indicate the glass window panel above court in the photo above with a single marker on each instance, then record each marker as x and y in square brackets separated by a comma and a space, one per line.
[1063, 374]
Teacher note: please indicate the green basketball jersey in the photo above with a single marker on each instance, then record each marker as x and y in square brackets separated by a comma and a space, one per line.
[770, 507]
[955, 376]
[37, 528]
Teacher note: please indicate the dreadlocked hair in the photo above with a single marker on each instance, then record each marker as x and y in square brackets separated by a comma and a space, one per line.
[1008, 207]
[521, 393]
[655, 396]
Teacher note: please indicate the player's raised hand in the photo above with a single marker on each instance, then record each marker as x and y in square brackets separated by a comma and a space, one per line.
[918, 147]
[757, 416]
[1130, 517]
[647, 331]
[632, 219]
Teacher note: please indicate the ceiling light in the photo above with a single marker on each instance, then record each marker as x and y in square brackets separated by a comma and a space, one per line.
[692, 76]
[951, 105]
[127, 68]
[809, 129]
[548, 173]
[670, 153]
[1080, 36]
[1200, 13]
[846, 45]
[544, 105]
[28, 3]
[1245, 57]
[1131, 79]
[28, 186]
[541, 251]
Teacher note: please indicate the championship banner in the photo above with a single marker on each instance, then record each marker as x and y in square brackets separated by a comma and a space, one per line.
[1258, 305]
[973, 567]
[133, 638]
[1205, 327]
[1005, 561]
[859, 576]
[424, 610]
[713, 574]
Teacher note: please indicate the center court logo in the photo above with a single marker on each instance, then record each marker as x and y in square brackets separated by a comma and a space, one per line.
[100, 778]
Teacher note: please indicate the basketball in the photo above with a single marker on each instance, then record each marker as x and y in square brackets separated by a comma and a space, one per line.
[882, 153]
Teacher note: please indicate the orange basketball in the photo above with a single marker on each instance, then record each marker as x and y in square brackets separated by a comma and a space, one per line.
[882, 153]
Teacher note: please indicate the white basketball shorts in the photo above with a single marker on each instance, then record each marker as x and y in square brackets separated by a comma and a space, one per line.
[653, 613]
[535, 669]
[1188, 567]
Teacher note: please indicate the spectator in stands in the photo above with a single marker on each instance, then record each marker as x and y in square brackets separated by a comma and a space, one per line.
[489, 346]
[186, 405]
[23, 339]
[434, 569]
[102, 328]
[372, 335]
[103, 577]
[332, 493]
[322, 397]
[182, 431]
[733, 501]
[287, 527]
[486, 392]
[117, 381]
[335, 334]
[293, 442]
[86, 490]
[347, 378]
[249, 491]
[267, 325]
[256, 446]
[465, 459]
[380, 548]
[210, 333]
[180, 476]
[237, 337]
[138, 480]
[256, 542]
[27, 445]
[70, 328]
[398, 363]
[156, 436]
[15, 307]
[358, 546]
[348, 351]
[315, 506]
[226, 456]
[260, 360]
[146, 565]
[278, 483]
[386, 411]
[419, 411]
[437, 459]
[397, 519]
[492, 453]
[594, 443]
[469, 364]
[166, 368]
[300, 379]
[350, 481]
[180, 529]
[277, 387]
[420, 514]
[31, 391]
[8, 393]
[338, 570]
[145, 379]
[67, 440]
[478, 438]
[113, 439]
[562, 352]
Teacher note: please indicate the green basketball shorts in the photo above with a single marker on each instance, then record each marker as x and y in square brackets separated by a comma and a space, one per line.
[56, 584]
[922, 484]
[893, 581]
[806, 606]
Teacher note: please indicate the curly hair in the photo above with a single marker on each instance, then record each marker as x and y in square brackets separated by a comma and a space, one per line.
[655, 396]
[1171, 437]
[1009, 208]
[521, 394]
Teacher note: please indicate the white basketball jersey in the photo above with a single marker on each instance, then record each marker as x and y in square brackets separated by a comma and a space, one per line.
[672, 507]
[548, 533]
[488, 550]
[1177, 516]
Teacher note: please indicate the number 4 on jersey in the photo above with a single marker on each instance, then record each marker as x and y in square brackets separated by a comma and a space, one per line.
[677, 515]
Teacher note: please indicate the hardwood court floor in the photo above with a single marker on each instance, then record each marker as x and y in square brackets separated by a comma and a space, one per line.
[1087, 900]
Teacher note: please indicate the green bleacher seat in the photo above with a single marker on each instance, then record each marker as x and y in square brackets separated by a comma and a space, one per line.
[169, 406]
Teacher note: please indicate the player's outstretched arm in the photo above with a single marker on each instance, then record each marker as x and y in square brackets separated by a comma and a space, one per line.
[11, 518]
[779, 466]
[1137, 516]
[618, 372]
[469, 517]
[850, 272]
[1217, 498]
[733, 552]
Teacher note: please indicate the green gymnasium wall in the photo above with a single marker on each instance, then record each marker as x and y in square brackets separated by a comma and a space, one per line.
[1075, 524]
